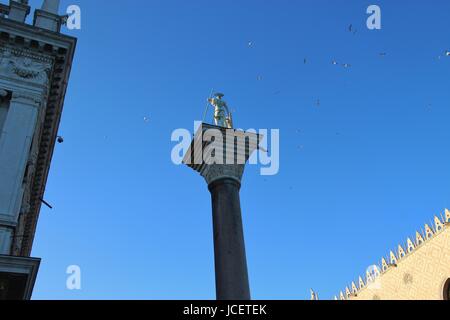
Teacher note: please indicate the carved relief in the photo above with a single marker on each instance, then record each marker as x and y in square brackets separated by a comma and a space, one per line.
[24, 67]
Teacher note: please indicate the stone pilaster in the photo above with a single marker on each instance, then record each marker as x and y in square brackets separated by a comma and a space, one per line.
[15, 142]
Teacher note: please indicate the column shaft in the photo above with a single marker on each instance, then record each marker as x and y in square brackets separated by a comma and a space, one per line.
[229, 247]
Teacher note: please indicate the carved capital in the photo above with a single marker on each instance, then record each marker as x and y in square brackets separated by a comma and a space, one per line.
[215, 172]
[234, 155]
[26, 98]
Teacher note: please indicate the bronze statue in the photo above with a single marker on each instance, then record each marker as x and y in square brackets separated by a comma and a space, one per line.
[222, 115]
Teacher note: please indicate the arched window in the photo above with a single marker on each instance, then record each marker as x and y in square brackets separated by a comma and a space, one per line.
[447, 290]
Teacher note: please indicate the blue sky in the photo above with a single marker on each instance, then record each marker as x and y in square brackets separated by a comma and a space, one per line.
[357, 175]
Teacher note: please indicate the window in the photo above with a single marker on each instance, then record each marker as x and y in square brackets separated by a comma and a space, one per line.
[447, 290]
[4, 104]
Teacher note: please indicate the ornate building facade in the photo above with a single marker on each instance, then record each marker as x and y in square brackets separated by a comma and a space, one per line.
[419, 269]
[35, 63]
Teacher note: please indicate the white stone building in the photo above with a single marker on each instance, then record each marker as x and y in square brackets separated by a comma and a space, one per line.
[35, 63]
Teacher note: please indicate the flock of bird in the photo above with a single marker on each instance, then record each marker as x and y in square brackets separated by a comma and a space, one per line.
[353, 31]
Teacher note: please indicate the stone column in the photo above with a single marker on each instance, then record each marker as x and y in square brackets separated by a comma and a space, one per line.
[15, 142]
[223, 173]
[224, 183]
[229, 247]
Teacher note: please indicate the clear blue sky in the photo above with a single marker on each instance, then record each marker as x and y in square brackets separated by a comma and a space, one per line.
[367, 168]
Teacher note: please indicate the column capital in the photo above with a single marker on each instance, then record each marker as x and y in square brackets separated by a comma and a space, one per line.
[215, 172]
[231, 148]
[27, 98]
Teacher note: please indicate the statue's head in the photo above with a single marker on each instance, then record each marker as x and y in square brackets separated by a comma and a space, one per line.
[219, 95]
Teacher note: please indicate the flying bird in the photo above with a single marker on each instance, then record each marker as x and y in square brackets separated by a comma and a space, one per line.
[351, 29]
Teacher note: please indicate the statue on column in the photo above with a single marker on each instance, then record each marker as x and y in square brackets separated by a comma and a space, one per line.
[222, 115]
